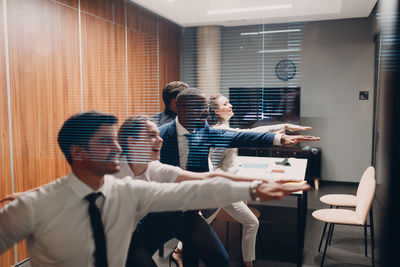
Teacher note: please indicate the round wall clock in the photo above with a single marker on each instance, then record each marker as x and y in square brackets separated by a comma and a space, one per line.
[285, 69]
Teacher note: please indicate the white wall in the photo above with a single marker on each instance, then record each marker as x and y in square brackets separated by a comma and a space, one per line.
[338, 62]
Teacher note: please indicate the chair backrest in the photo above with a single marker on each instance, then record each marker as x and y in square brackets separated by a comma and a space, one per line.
[24, 263]
[365, 194]
[366, 174]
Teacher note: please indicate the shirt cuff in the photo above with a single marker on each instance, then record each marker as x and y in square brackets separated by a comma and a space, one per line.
[241, 190]
[277, 139]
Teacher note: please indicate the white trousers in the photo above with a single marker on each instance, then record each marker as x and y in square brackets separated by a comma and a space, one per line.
[249, 221]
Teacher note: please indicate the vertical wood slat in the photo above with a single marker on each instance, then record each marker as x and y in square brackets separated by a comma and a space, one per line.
[141, 20]
[142, 61]
[70, 3]
[45, 79]
[44, 75]
[7, 258]
[103, 66]
[142, 74]
[110, 10]
[169, 54]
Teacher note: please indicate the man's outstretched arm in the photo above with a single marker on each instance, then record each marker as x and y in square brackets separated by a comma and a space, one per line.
[205, 194]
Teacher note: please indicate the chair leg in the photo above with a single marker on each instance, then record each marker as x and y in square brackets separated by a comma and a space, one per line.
[322, 237]
[326, 244]
[365, 240]
[323, 234]
[260, 241]
[330, 239]
[227, 237]
[371, 225]
[330, 234]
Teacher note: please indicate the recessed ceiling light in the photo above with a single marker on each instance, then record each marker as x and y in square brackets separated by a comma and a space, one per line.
[249, 33]
[280, 50]
[270, 32]
[280, 31]
[247, 9]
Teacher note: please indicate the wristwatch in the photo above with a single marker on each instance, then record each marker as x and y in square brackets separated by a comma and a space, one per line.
[253, 189]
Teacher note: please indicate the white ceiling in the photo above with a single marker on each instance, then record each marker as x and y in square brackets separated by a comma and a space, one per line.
[246, 12]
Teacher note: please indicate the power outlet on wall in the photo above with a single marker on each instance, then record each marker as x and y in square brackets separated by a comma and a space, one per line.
[363, 95]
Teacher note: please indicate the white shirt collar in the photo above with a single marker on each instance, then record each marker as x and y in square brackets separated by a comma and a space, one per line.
[82, 190]
[180, 130]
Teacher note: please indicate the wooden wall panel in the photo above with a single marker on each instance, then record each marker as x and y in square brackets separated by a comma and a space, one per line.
[70, 3]
[103, 66]
[169, 66]
[142, 74]
[110, 10]
[169, 54]
[45, 81]
[44, 75]
[5, 167]
[142, 61]
[7, 258]
[169, 32]
[141, 20]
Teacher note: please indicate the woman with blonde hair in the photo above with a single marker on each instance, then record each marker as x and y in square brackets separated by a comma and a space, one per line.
[225, 160]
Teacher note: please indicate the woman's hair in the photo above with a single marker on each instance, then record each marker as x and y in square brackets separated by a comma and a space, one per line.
[131, 127]
[214, 119]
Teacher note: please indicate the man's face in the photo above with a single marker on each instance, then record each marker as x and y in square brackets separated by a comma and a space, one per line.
[194, 112]
[102, 156]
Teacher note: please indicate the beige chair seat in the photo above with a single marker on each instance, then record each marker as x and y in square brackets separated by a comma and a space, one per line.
[338, 216]
[362, 203]
[342, 200]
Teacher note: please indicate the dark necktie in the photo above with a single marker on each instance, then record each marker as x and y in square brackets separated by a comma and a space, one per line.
[100, 252]
[190, 163]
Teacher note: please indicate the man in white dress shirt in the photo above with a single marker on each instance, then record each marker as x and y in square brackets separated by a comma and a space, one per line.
[55, 220]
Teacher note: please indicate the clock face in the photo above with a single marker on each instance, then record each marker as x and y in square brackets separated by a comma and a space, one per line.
[285, 70]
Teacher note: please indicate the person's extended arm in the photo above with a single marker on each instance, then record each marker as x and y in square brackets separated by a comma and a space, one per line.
[188, 176]
[16, 223]
[13, 196]
[210, 193]
[290, 140]
[281, 128]
[232, 139]
[270, 128]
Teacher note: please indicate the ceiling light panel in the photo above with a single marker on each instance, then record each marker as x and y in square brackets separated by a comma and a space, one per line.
[246, 12]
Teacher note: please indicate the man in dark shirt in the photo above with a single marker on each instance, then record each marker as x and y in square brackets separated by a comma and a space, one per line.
[169, 94]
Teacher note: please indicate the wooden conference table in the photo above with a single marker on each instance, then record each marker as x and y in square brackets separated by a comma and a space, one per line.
[268, 167]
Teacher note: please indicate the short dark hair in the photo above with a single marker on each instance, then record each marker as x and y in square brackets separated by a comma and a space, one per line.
[171, 90]
[79, 129]
[188, 96]
[131, 127]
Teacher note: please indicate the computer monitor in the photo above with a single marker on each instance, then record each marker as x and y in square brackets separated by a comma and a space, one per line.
[258, 106]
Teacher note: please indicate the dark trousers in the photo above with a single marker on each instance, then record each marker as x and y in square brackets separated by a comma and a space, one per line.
[199, 240]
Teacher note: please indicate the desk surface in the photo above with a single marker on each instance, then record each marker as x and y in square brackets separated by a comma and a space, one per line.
[266, 167]
[263, 167]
